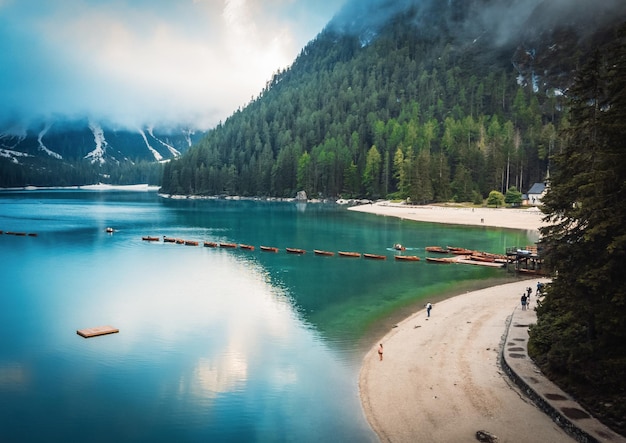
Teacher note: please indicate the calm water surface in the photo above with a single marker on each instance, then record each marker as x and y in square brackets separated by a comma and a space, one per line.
[214, 344]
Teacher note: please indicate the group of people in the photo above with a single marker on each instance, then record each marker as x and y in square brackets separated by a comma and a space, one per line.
[526, 295]
[526, 298]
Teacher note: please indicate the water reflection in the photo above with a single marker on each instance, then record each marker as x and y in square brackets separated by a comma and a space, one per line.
[12, 376]
[214, 344]
[213, 377]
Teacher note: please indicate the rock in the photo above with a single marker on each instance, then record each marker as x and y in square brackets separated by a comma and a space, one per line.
[301, 196]
[486, 437]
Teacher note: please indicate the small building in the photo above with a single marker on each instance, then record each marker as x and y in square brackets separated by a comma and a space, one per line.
[536, 193]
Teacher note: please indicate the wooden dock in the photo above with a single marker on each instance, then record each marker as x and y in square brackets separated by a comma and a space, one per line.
[96, 331]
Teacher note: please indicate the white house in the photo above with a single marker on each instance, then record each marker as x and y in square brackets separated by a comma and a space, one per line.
[536, 193]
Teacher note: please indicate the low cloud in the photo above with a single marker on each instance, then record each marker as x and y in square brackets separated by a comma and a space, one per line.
[143, 62]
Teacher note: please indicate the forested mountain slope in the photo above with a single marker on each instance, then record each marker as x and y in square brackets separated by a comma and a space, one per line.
[424, 99]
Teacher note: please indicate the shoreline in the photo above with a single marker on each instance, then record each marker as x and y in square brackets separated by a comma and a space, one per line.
[526, 219]
[440, 379]
[96, 187]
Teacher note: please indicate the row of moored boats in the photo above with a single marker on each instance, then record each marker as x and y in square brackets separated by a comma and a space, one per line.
[458, 254]
[462, 255]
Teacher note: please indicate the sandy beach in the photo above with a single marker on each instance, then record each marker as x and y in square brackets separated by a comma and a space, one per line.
[440, 378]
[528, 219]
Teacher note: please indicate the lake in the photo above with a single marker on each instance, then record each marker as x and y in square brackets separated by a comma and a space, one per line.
[214, 344]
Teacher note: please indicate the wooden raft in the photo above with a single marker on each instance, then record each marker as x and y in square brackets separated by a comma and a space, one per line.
[98, 330]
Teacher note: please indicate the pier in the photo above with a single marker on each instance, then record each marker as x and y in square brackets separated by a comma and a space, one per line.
[525, 260]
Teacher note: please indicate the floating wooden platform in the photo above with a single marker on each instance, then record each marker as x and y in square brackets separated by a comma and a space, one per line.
[96, 331]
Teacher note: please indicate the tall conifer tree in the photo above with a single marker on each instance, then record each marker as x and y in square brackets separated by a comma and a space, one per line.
[580, 336]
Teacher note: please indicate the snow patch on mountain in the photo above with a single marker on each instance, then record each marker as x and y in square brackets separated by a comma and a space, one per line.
[43, 147]
[97, 155]
[169, 147]
[10, 140]
[12, 155]
[155, 153]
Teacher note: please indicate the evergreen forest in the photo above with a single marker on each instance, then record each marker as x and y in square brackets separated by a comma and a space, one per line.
[49, 172]
[580, 336]
[399, 112]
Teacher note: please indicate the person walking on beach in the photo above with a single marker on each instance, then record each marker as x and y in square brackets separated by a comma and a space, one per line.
[380, 352]
[428, 308]
[523, 299]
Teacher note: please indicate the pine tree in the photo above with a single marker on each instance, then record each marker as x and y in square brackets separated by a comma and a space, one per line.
[580, 336]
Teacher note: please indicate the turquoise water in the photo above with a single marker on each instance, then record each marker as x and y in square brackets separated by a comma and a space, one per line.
[214, 344]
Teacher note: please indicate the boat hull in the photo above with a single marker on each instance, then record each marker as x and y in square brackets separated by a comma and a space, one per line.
[375, 256]
[407, 258]
[349, 254]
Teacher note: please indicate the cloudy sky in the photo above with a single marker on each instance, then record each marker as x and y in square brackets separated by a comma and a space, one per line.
[133, 62]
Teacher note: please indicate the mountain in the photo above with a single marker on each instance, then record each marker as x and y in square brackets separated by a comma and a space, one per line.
[422, 99]
[36, 155]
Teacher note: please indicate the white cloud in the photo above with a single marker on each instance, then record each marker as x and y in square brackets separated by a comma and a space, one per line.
[149, 61]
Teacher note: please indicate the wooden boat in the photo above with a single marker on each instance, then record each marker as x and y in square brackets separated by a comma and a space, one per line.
[248, 247]
[320, 252]
[32, 234]
[295, 250]
[460, 251]
[496, 257]
[375, 256]
[437, 249]
[407, 257]
[210, 244]
[482, 258]
[269, 249]
[180, 241]
[398, 247]
[439, 260]
[228, 245]
[168, 240]
[148, 238]
[191, 243]
[349, 254]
